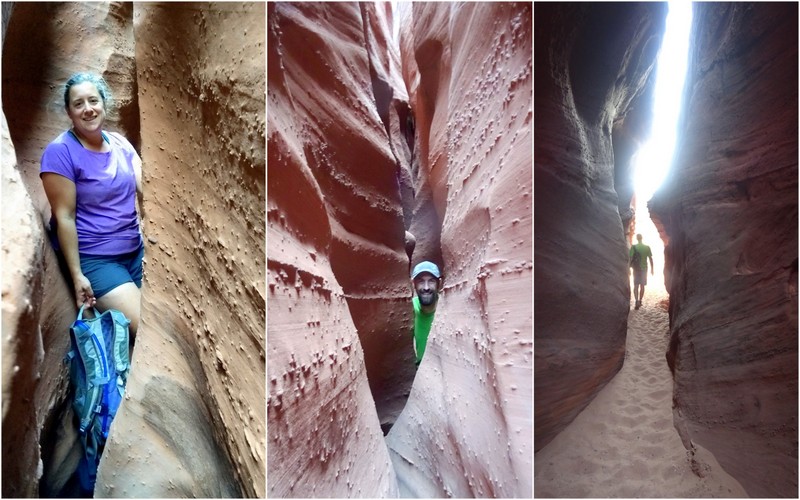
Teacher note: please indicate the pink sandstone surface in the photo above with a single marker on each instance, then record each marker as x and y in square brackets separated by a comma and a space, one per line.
[193, 422]
[343, 155]
[337, 285]
[466, 430]
[729, 214]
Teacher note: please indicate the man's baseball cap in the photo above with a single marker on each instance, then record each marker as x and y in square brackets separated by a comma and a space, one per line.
[426, 267]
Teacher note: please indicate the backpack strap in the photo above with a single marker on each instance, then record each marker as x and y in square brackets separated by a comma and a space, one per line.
[83, 307]
[87, 467]
[120, 350]
[90, 351]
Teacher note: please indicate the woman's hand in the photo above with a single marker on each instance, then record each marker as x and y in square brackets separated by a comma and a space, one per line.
[83, 292]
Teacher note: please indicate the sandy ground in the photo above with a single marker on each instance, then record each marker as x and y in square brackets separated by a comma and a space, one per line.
[624, 443]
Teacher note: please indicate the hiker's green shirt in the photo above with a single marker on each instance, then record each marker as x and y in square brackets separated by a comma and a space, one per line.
[644, 253]
[422, 327]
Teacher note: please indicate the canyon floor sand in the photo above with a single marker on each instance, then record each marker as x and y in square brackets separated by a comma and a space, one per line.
[624, 443]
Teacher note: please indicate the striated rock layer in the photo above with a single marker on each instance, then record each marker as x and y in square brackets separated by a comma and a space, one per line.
[349, 170]
[33, 378]
[729, 212]
[389, 367]
[337, 270]
[466, 429]
[593, 63]
[193, 422]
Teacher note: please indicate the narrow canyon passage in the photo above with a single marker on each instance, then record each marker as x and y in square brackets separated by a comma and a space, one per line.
[372, 136]
[624, 443]
[632, 391]
[187, 85]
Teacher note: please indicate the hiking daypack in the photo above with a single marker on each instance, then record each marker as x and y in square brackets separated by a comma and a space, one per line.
[636, 259]
[99, 366]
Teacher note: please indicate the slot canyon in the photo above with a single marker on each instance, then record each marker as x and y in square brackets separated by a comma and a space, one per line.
[190, 85]
[372, 141]
[725, 361]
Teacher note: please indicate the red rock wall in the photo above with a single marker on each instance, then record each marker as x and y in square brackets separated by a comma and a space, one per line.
[425, 223]
[23, 351]
[389, 366]
[730, 214]
[337, 270]
[193, 423]
[592, 62]
[466, 429]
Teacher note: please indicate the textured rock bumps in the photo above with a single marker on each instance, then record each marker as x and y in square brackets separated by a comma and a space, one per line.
[466, 429]
[339, 205]
[337, 282]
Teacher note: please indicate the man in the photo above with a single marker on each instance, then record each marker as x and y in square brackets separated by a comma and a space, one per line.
[640, 269]
[426, 279]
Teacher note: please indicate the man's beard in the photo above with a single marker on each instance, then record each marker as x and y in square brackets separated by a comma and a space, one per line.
[427, 299]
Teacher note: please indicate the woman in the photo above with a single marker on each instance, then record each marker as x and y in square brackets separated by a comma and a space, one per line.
[92, 180]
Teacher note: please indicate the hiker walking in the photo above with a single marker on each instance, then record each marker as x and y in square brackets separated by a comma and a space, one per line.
[426, 280]
[638, 255]
[92, 179]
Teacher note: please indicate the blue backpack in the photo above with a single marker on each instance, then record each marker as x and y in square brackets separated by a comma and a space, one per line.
[99, 366]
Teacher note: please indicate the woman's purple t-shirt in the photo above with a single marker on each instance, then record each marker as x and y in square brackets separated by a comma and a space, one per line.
[105, 189]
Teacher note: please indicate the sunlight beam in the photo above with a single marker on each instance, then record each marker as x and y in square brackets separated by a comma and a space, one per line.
[651, 163]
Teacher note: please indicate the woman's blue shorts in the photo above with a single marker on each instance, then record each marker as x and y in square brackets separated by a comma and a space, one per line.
[107, 272]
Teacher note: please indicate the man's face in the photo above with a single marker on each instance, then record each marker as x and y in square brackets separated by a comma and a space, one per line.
[427, 287]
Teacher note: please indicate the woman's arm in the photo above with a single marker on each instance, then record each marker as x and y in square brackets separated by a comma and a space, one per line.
[137, 170]
[61, 195]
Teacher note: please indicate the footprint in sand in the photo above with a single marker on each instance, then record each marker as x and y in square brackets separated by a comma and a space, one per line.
[624, 443]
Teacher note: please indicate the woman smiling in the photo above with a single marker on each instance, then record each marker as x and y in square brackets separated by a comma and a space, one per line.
[92, 179]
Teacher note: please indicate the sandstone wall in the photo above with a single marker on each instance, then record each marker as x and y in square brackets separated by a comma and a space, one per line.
[337, 270]
[389, 363]
[193, 423]
[730, 213]
[425, 223]
[466, 429]
[25, 405]
[593, 62]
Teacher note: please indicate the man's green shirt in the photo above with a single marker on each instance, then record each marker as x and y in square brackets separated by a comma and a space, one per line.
[422, 327]
[644, 253]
